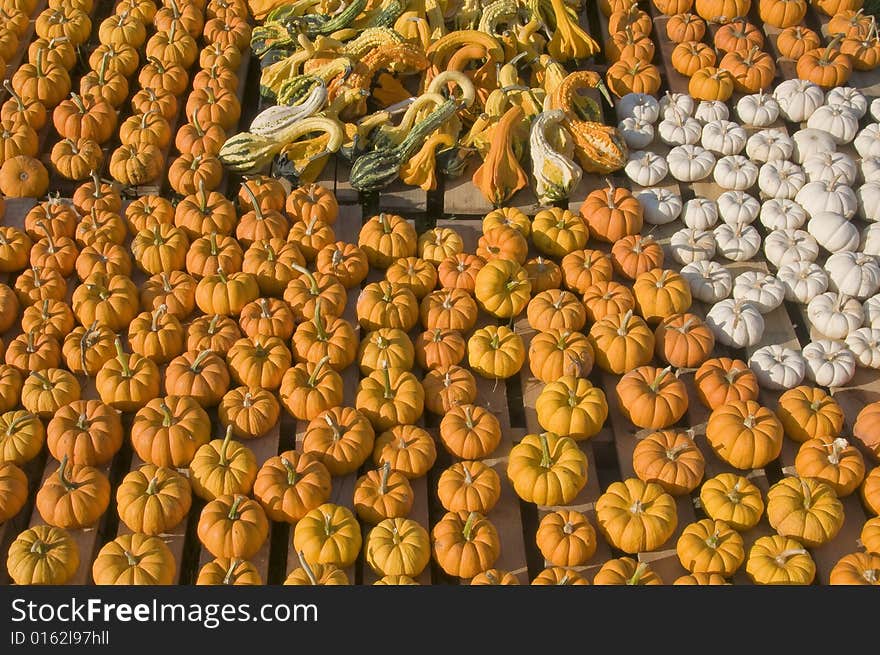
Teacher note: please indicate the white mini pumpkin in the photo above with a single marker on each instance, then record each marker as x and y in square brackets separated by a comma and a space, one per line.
[763, 290]
[757, 109]
[788, 246]
[798, 99]
[868, 198]
[646, 168]
[690, 163]
[833, 232]
[723, 137]
[875, 109]
[824, 196]
[834, 315]
[803, 281]
[711, 110]
[810, 141]
[870, 244]
[839, 121]
[700, 213]
[735, 323]
[871, 307]
[659, 205]
[864, 344]
[689, 245]
[867, 142]
[769, 144]
[736, 207]
[678, 131]
[709, 281]
[853, 274]
[830, 166]
[849, 97]
[735, 172]
[829, 363]
[637, 133]
[780, 214]
[870, 169]
[640, 106]
[738, 243]
[672, 104]
[781, 179]
[778, 367]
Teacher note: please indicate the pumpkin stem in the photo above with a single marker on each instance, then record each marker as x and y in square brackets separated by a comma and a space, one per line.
[222, 275]
[233, 511]
[308, 569]
[386, 226]
[158, 313]
[203, 196]
[212, 325]
[782, 558]
[637, 574]
[18, 100]
[546, 459]
[808, 496]
[123, 358]
[133, 560]
[230, 572]
[314, 290]
[467, 532]
[837, 447]
[386, 380]
[292, 475]
[622, 331]
[318, 320]
[45, 382]
[14, 422]
[658, 380]
[167, 417]
[386, 473]
[153, 487]
[68, 484]
[330, 420]
[713, 540]
[196, 366]
[39, 63]
[258, 212]
[194, 119]
[313, 378]
[102, 69]
[40, 547]
[675, 451]
[212, 239]
[833, 45]
[248, 400]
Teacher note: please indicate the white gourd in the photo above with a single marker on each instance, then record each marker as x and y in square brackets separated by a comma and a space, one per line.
[763, 290]
[833, 232]
[864, 344]
[660, 205]
[757, 109]
[835, 315]
[853, 274]
[839, 121]
[789, 246]
[867, 142]
[849, 97]
[689, 245]
[737, 207]
[769, 144]
[736, 324]
[735, 172]
[555, 171]
[645, 168]
[700, 213]
[798, 99]
[830, 166]
[278, 121]
[780, 214]
[871, 307]
[637, 133]
[829, 363]
[709, 281]
[827, 196]
[678, 131]
[869, 167]
[868, 198]
[711, 110]
[690, 163]
[738, 243]
[874, 108]
[640, 106]
[781, 179]
[803, 281]
[672, 104]
[870, 244]
[810, 141]
[723, 137]
[778, 367]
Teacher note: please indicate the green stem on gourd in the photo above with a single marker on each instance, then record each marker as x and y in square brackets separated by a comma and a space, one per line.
[45, 382]
[233, 511]
[308, 569]
[319, 322]
[383, 484]
[292, 475]
[123, 358]
[661, 375]
[158, 313]
[546, 459]
[14, 422]
[467, 531]
[222, 275]
[230, 572]
[314, 290]
[68, 484]
[386, 381]
[313, 378]
[196, 366]
[153, 487]
[224, 461]
[167, 416]
[637, 574]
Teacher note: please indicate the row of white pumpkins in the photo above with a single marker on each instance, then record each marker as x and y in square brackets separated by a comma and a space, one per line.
[804, 182]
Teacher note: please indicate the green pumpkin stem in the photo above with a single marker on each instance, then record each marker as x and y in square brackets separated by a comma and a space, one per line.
[10, 428]
[158, 313]
[167, 416]
[637, 575]
[222, 275]
[546, 459]
[233, 510]
[467, 531]
[308, 569]
[68, 484]
[314, 290]
[224, 447]
[386, 473]
[258, 212]
[386, 381]
[153, 487]
[292, 475]
[45, 382]
[230, 571]
[319, 322]
[123, 357]
[196, 366]
[313, 378]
